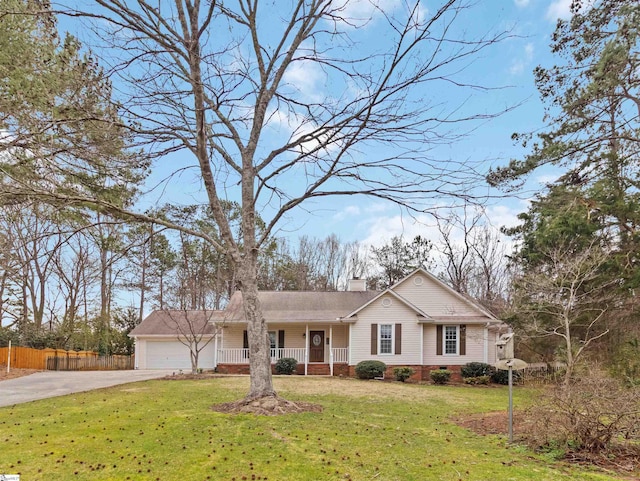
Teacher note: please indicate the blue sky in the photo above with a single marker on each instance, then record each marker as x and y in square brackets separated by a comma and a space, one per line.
[508, 66]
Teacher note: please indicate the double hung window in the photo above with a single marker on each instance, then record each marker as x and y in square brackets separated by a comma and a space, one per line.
[386, 339]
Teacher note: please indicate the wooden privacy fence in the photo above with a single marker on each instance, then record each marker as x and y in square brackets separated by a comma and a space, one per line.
[101, 363]
[62, 360]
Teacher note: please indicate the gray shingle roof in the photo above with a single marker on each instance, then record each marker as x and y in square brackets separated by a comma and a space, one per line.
[277, 306]
[173, 322]
[301, 306]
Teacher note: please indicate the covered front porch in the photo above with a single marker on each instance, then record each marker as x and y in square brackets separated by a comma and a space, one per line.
[317, 349]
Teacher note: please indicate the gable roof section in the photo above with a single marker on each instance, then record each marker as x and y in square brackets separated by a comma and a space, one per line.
[470, 302]
[423, 316]
[174, 322]
[301, 306]
[419, 312]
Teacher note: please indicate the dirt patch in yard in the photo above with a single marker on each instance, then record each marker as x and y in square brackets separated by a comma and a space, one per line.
[14, 373]
[622, 461]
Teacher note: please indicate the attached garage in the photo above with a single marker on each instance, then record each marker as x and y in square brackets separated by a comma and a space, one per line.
[165, 354]
[157, 345]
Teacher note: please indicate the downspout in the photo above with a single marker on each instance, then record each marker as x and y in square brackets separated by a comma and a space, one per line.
[486, 343]
[306, 349]
[331, 349]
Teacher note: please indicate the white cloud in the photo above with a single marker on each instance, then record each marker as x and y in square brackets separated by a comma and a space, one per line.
[360, 13]
[559, 9]
[519, 65]
[380, 229]
[562, 9]
[547, 179]
[347, 212]
[503, 215]
[521, 3]
[304, 76]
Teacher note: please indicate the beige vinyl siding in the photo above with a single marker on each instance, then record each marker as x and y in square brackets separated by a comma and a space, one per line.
[434, 299]
[293, 337]
[475, 341]
[232, 335]
[340, 335]
[395, 313]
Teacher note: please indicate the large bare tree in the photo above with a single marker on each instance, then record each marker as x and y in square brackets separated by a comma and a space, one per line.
[275, 106]
[570, 299]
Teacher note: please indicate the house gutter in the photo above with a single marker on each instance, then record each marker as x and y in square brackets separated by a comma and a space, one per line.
[486, 343]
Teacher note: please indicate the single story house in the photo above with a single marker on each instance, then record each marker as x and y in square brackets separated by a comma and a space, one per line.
[418, 322]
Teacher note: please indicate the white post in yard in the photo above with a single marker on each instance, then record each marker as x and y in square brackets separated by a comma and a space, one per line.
[9, 357]
[510, 403]
[331, 349]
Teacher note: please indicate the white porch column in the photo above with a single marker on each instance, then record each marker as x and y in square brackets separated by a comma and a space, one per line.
[350, 344]
[306, 349]
[421, 344]
[331, 349]
[486, 344]
[216, 333]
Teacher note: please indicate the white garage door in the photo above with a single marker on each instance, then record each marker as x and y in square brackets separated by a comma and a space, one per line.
[175, 355]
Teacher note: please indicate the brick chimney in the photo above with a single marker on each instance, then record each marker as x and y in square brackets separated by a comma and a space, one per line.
[357, 284]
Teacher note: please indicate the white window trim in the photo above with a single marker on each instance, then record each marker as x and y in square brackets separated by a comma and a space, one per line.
[444, 341]
[393, 340]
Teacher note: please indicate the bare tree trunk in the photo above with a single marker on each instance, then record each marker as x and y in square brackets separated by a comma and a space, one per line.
[258, 335]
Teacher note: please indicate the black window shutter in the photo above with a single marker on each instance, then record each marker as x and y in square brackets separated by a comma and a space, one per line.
[398, 341]
[281, 339]
[245, 340]
[374, 339]
[438, 340]
[463, 339]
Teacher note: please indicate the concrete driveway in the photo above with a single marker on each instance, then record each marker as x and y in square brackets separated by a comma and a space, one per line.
[46, 384]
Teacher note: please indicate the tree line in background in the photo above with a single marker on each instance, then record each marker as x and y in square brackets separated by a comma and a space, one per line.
[69, 284]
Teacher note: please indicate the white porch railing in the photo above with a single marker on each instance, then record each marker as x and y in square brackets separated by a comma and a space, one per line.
[295, 352]
[233, 356]
[341, 355]
[241, 356]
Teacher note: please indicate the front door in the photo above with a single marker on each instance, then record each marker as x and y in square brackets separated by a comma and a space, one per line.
[316, 346]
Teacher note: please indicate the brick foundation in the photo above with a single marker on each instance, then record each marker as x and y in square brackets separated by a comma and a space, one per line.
[422, 373]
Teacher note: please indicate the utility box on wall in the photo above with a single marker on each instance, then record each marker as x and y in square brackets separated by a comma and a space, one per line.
[504, 347]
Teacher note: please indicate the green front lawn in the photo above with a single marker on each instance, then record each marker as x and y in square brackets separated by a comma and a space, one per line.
[369, 430]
